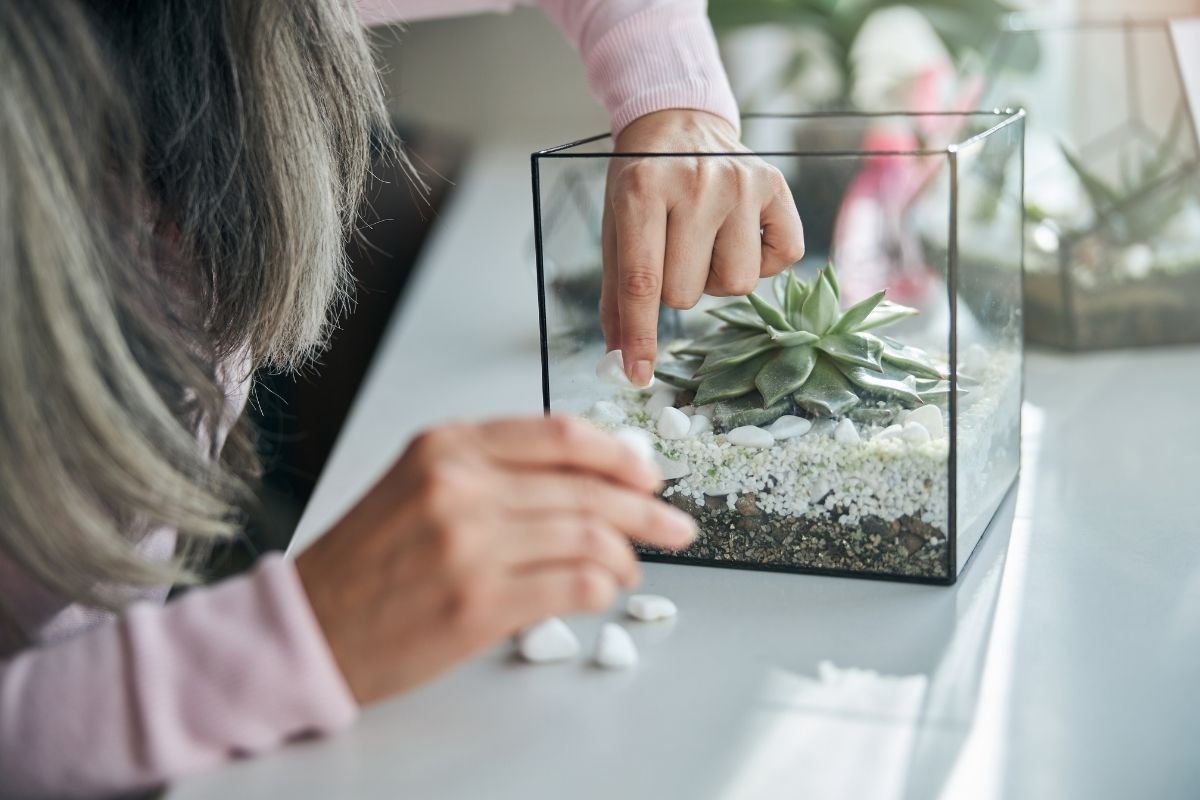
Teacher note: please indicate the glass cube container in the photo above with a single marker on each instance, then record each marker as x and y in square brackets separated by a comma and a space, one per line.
[1112, 184]
[872, 438]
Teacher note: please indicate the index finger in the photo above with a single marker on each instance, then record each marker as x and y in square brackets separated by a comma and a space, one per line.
[640, 216]
[568, 443]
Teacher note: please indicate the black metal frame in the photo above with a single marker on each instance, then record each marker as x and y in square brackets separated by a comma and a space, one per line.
[1008, 116]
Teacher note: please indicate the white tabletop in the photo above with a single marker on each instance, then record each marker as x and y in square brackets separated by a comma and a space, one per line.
[1064, 664]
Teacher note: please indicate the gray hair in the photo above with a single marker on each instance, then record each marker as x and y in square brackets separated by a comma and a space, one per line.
[178, 179]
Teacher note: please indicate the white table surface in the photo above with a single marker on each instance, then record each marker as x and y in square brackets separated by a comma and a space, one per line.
[1064, 664]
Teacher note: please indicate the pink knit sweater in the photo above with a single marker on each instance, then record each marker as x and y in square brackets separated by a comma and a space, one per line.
[102, 705]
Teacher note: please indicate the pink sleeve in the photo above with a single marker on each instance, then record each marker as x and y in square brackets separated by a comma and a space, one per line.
[234, 669]
[640, 55]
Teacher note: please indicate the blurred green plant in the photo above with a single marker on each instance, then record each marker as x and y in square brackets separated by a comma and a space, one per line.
[965, 28]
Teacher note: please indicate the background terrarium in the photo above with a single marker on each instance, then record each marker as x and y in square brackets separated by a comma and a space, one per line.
[1112, 186]
[857, 415]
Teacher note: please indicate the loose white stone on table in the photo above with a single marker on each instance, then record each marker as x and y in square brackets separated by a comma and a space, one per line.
[890, 432]
[673, 423]
[698, 425]
[662, 397]
[548, 640]
[750, 436]
[650, 607]
[915, 433]
[672, 469]
[930, 417]
[789, 427]
[611, 369]
[615, 648]
[639, 441]
[846, 433]
[606, 412]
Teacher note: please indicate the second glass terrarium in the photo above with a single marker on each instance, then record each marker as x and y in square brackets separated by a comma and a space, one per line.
[857, 415]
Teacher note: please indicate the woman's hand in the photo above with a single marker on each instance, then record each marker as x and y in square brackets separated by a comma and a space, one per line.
[677, 228]
[478, 531]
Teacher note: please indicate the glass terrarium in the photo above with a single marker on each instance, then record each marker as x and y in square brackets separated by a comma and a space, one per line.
[1112, 186]
[858, 414]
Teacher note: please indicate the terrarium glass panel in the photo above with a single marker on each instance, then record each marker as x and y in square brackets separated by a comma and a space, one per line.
[1113, 189]
[858, 414]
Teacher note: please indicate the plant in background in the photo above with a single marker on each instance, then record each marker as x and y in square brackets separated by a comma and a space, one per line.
[803, 352]
[963, 27]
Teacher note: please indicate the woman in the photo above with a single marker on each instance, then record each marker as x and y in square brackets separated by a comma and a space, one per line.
[177, 181]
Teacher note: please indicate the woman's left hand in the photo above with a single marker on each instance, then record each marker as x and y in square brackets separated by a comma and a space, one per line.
[677, 228]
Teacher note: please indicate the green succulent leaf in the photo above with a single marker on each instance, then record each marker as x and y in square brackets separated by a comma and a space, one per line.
[740, 314]
[855, 349]
[678, 373]
[831, 276]
[820, 309]
[826, 392]
[769, 313]
[723, 337]
[747, 410]
[722, 358]
[885, 313]
[910, 359]
[729, 383]
[796, 294]
[857, 314]
[792, 338]
[896, 387]
[785, 373]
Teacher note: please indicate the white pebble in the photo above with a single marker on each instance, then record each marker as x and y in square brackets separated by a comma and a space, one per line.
[705, 411]
[660, 398]
[845, 432]
[974, 360]
[723, 490]
[915, 433]
[699, 425]
[672, 469]
[606, 412]
[789, 427]
[689, 410]
[931, 418]
[549, 640]
[673, 423]
[615, 648]
[750, 436]
[890, 432]
[649, 607]
[639, 441]
[611, 369]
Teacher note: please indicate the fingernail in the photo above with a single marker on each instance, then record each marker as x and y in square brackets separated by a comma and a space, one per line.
[641, 373]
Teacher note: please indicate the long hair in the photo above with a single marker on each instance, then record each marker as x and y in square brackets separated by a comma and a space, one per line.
[177, 179]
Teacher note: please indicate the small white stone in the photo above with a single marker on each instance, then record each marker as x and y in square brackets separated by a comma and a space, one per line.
[660, 398]
[548, 640]
[915, 433]
[722, 490]
[789, 427]
[846, 433]
[890, 432]
[672, 469]
[931, 417]
[639, 441]
[699, 425]
[750, 436]
[611, 369]
[974, 360]
[820, 488]
[673, 423]
[705, 411]
[649, 607]
[615, 648]
[606, 412]
[1137, 260]
[689, 410]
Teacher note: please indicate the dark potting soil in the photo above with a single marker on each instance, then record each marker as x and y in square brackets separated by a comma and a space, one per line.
[747, 536]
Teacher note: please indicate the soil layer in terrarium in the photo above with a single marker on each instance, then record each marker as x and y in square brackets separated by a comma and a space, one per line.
[744, 535]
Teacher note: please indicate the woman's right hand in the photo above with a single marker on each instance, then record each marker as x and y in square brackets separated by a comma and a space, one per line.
[476, 532]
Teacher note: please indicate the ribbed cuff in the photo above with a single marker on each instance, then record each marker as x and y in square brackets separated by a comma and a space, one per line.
[657, 60]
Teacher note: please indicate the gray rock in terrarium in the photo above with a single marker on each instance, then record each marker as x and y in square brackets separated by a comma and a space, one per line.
[817, 425]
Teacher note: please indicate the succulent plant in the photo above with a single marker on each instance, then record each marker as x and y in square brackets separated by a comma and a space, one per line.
[802, 352]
